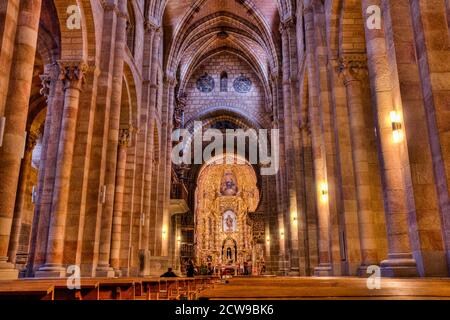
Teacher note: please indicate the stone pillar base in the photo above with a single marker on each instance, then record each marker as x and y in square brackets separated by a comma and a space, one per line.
[399, 265]
[105, 272]
[117, 273]
[7, 270]
[51, 271]
[323, 270]
[294, 272]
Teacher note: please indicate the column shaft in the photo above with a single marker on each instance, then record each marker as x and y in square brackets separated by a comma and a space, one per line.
[124, 139]
[16, 112]
[400, 261]
[119, 43]
[360, 143]
[319, 153]
[72, 74]
[21, 196]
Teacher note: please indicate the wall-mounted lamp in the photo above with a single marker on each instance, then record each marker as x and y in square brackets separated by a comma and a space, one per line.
[102, 194]
[178, 239]
[164, 233]
[268, 239]
[324, 192]
[294, 217]
[397, 131]
[282, 234]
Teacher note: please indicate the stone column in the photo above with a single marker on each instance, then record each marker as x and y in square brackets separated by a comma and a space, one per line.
[150, 100]
[9, 14]
[318, 146]
[103, 268]
[400, 260]
[21, 196]
[352, 69]
[16, 112]
[124, 142]
[72, 74]
[53, 90]
[289, 84]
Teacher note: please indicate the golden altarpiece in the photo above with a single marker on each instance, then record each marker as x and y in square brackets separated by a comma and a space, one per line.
[226, 195]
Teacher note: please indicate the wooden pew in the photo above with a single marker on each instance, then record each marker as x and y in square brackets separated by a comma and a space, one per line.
[21, 290]
[150, 288]
[88, 290]
[314, 288]
[117, 289]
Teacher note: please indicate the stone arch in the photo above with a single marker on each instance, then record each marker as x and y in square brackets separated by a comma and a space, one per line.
[242, 55]
[349, 36]
[131, 93]
[131, 27]
[82, 46]
[183, 29]
[230, 112]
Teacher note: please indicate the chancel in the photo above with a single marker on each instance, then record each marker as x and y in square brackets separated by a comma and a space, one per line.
[292, 147]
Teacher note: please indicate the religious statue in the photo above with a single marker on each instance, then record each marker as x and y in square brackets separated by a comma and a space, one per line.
[229, 253]
[229, 223]
[228, 185]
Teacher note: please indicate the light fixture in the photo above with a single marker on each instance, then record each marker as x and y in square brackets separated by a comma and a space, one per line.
[324, 192]
[294, 217]
[268, 239]
[282, 233]
[164, 232]
[397, 131]
[179, 239]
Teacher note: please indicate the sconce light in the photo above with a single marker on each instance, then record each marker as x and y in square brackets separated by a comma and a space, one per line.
[102, 194]
[294, 217]
[178, 239]
[282, 234]
[324, 192]
[164, 233]
[268, 239]
[397, 131]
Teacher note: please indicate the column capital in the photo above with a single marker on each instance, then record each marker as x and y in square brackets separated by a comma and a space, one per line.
[352, 67]
[149, 26]
[125, 136]
[308, 9]
[287, 25]
[107, 6]
[72, 73]
[170, 79]
[32, 138]
[50, 76]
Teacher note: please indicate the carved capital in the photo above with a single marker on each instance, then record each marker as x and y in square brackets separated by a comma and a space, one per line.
[149, 26]
[32, 138]
[170, 79]
[113, 7]
[309, 9]
[287, 25]
[125, 136]
[72, 73]
[48, 78]
[352, 67]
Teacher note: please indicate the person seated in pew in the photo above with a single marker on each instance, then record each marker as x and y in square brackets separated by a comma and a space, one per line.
[190, 269]
[169, 274]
